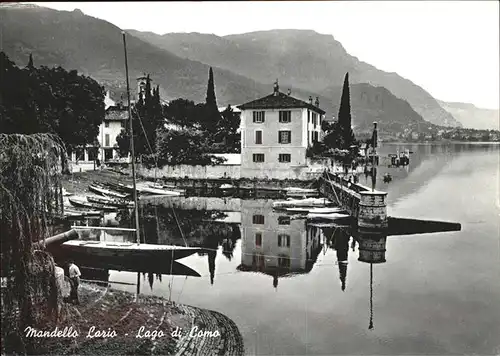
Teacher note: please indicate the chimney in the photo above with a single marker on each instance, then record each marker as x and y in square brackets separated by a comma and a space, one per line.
[276, 88]
[289, 92]
[316, 103]
[310, 100]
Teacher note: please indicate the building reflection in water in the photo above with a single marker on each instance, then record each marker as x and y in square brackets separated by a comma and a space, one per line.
[274, 243]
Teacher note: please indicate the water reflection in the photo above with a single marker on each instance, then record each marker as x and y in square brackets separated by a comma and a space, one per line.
[275, 243]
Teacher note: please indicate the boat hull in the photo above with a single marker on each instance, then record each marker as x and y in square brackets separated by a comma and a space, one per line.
[127, 251]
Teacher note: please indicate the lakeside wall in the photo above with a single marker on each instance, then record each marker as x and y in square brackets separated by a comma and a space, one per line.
[311, 171]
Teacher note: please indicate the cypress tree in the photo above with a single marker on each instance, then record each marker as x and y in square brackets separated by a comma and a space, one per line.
[211, 100]
[346, 133]
[30, 62]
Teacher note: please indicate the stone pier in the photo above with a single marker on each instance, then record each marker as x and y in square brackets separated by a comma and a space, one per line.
[368, 206]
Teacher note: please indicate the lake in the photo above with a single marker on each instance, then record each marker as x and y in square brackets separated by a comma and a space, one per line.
[310, 291]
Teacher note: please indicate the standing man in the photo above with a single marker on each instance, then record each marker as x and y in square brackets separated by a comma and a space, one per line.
[74, 281]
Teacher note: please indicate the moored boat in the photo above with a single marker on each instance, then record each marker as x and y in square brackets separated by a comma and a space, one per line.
[83, 203]
[308, 202]
[315, 210]
[119, 203]
[128, 249]
[332, 216]
[103, 190]
[300, 192]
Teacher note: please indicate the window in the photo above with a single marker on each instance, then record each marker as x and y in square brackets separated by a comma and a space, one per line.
[106, 140]
[285, 116]
[308, 116]
[284, 136]
[122, 124]
[283, 262]
[258, 137]
[283, 220]
[80, 154]
[258, 157]
[308, 136]
[283, 240]
[316, 136]
[92, 153]
[258, 219]
[258, 239]
[259, 116]
[106, 124]
[315, 119]
[285, 157]
[108, 154]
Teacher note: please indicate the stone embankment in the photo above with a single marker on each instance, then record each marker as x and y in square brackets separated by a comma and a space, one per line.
[129, 324]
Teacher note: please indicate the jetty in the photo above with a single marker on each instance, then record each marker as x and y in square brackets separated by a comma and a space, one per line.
[368, 206]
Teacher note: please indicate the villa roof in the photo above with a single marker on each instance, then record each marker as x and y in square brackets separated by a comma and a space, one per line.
[279, 101]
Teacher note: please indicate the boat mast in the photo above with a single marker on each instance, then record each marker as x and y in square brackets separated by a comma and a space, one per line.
[136, 206]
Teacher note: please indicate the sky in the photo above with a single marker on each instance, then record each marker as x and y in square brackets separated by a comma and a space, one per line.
[450, 48]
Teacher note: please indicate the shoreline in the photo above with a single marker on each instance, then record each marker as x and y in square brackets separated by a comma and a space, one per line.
[110, 321]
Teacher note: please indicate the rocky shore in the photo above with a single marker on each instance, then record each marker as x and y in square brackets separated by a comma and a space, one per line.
[111, 322]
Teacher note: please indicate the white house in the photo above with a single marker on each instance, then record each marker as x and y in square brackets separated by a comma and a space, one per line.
[276, 131]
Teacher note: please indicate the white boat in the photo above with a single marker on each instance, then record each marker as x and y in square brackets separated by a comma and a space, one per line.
[106, 192]
[315, 210]
[226, 186]
[167, 187]
[331, 216]
[310, 202]
[300, 192]
[128, 249]
[155, 191]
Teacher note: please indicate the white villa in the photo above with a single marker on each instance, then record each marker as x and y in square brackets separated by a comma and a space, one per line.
[276, 131]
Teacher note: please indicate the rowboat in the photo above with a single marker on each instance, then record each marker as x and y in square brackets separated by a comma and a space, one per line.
[81, 203]
[309, 202]
[315, 210]
[81, 213]
[332, 216]
[156, 191]
[300, 192]
[128, 249]
[102, 190]
[123, 204]
[226, 186]
[167, 187]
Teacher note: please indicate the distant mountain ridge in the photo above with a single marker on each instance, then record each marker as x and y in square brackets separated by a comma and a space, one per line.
[94, 47]
[471, 116]
[299, 58]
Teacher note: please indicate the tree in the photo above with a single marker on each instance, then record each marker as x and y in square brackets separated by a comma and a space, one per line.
[211, 100]
[50, 100]
[30, 62]
[185, 146]
[30, 195]
[212, 115]
[346, 133]
[227, 133]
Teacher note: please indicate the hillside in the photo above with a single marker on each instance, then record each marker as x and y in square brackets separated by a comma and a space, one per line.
[94, 47]
[300, 58]
[471, 116]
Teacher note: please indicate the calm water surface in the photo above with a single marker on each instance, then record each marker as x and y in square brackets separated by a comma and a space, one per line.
[436, 293]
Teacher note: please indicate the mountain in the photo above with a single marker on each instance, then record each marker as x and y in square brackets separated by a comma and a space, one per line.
[94, 47]
[299, 58]
[369, 104]
[471, 116]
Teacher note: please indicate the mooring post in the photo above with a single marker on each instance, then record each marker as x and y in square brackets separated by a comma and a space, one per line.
[372, 210]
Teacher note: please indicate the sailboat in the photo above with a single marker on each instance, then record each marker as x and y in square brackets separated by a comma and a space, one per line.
[128, 250]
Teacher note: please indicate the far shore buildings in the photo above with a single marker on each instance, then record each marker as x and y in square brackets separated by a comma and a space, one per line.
[276, 131]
